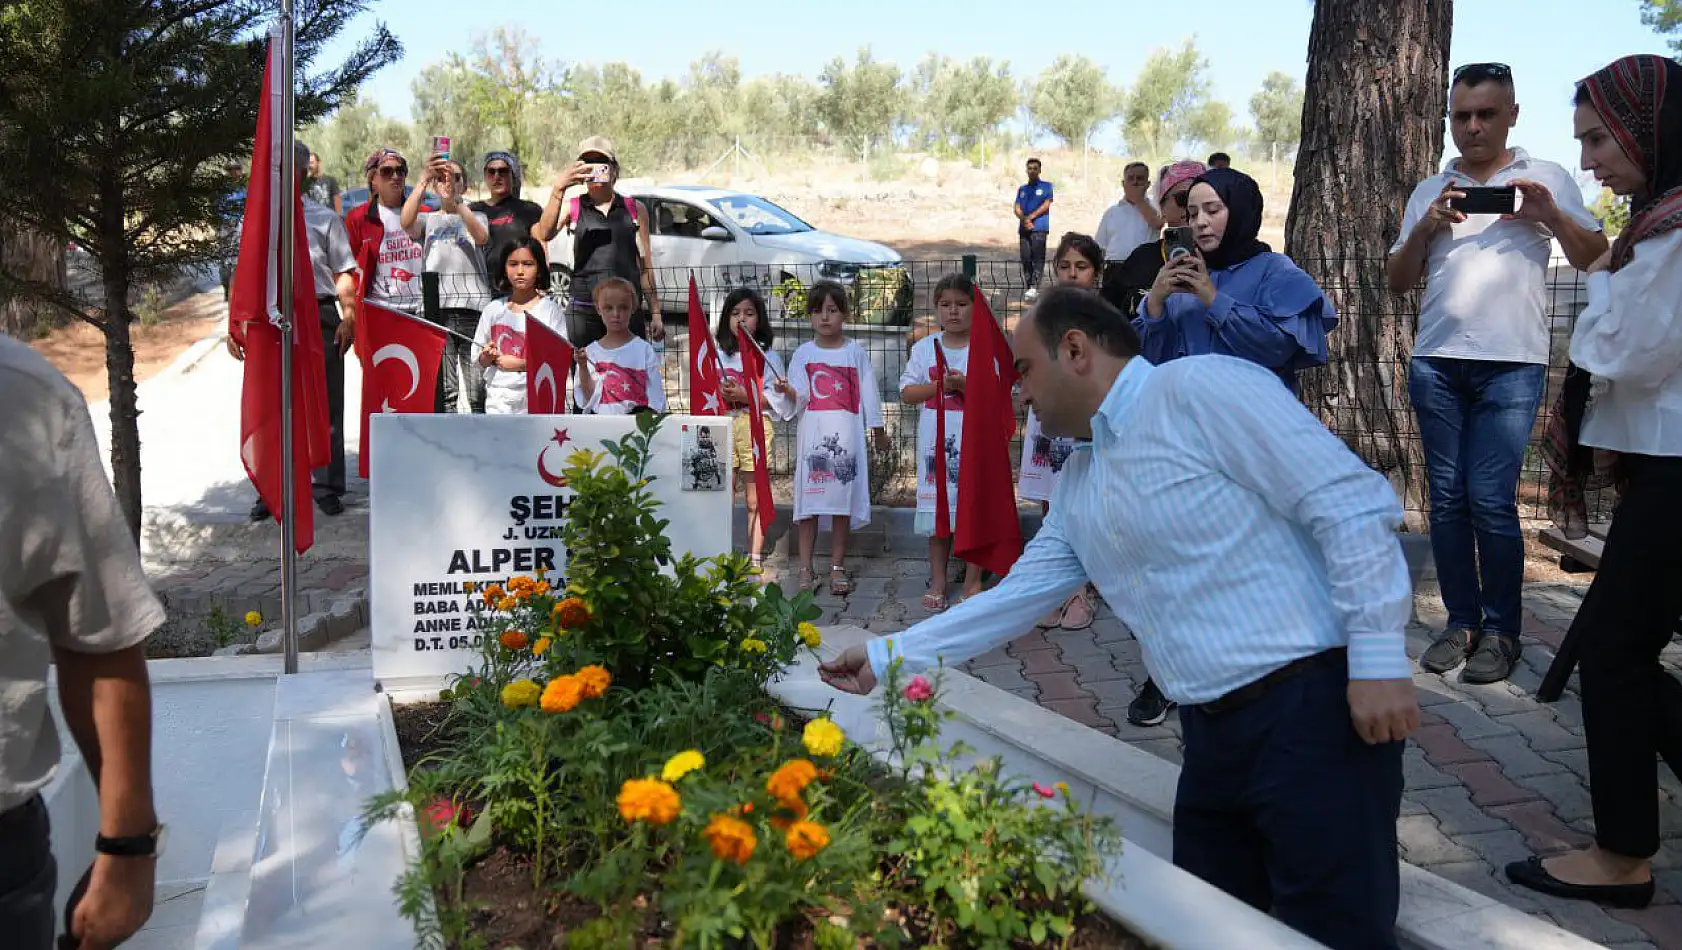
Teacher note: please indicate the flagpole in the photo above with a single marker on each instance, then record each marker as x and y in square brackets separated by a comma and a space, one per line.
[288, 244]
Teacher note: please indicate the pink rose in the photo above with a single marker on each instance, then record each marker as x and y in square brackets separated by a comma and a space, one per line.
[1045, 792]
[919, 690]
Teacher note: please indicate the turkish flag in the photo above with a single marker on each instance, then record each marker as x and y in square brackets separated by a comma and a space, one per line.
[705, 398]
[400, 359]
[833, 388]
[988, 533]
[254, 319]
[548, 361]
[942, 509]
[753, 378]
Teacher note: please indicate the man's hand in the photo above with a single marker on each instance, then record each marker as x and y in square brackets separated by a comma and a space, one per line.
[234, 349]
[1441, 213]
[345, 335]
[117, 903]
[1537, 205]
[850, 672]
[1383, 710]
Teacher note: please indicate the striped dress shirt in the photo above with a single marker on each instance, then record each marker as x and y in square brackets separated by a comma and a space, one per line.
[1226, 526]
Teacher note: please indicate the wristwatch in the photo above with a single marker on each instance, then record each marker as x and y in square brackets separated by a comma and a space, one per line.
[149, 845]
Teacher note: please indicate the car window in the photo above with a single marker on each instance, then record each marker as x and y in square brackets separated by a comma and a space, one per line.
[680, 219]
[755, 215]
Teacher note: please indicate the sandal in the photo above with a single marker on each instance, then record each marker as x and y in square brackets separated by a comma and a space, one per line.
[840, 582]
[934, 602]
[756, 564]
[1082, 619]
[807, 580]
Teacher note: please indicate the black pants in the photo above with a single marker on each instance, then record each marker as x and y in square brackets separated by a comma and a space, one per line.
[1032, 246]
[329, 480]
[28, 877]
[584, 324]
[461, 369]
[1632, 708]
[1283, 806]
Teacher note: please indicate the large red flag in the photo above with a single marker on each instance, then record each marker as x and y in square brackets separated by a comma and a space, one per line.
[705, 372]
[753, 378]
[254, 320]
[411, 385]
[988, 533]
[942, 502]
[548, 361]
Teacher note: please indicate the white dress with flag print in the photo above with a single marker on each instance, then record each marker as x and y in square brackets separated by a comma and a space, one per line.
[1042, 460]
[839, 399]
[505, 390]
[627, 376]
[919, 369]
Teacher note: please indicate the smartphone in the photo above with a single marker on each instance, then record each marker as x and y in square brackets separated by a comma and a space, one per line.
[1503, 200]
[598, 174]
[1177, 243]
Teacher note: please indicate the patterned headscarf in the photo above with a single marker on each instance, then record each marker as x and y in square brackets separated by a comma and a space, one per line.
[1632, 96]
[380, 155]
[517, 174]
[1172, 175]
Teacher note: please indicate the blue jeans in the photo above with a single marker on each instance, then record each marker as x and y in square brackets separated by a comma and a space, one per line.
[1475, 418]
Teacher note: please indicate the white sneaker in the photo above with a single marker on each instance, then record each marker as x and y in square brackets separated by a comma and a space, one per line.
[1031, 293]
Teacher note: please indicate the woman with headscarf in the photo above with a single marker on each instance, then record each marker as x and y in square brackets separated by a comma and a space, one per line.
[1128, 280]
[509, 216]
[384, 248]
[1234, 297]
[1620, 422]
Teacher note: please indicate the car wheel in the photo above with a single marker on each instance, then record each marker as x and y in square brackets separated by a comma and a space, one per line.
[560, 282]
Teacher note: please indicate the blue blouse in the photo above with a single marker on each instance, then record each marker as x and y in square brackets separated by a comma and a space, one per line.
[1266, 310]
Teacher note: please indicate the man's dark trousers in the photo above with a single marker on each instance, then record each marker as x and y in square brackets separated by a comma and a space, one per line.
[1282, 805]
[28, 877]
[1032, 246]
[329, 480]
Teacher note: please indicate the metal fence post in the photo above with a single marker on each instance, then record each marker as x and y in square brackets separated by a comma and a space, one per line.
[430, 300]
[969, 266]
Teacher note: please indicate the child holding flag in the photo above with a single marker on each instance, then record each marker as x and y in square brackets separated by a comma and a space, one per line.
[619, 373]
[934, 379]
[744, 309]
[501, 337]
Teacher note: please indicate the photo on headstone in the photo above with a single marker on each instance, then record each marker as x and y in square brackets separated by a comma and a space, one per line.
[703, 458]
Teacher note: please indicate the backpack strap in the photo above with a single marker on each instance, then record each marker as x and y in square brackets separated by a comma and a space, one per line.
[630, 207]
[577, 208]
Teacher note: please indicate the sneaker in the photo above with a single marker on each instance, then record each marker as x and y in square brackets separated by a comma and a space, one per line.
[1150, 707]
[330, 505]
[260, 511]
[1450, 650]
[1032, 293]
[1492, 661]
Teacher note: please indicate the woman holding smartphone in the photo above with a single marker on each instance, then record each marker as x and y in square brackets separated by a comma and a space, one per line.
[609, 239]
[1619, 422]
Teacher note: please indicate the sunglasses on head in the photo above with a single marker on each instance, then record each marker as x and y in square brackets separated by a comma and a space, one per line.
[393, 171]
[1479, 72]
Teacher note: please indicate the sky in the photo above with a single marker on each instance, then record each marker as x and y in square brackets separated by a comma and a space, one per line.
[1549, 43]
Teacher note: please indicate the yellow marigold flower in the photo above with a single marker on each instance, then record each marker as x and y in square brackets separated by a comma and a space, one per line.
[805, 839]
[562, 694]
[513, 640]
[595, 680]
[789, 780]
[541, 646]
[507, 604]
[823, 738]
[732, 839]
[572, 612]
[650, 800]
[810, 636]
[1064, 788]
[682, 764]
[754, 645]
[520, 693]
[253, 618]
[542, 588]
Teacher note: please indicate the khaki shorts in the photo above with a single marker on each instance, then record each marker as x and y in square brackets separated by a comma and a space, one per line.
[741, 442]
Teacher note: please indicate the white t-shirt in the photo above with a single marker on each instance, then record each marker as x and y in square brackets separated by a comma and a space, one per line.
[506, 327]
[1485, 278]
[1121, 230]
[397, 272]
[458, 262]
[627, 376]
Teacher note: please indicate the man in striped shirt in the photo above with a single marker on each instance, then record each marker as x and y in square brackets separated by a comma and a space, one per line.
[1255, 558]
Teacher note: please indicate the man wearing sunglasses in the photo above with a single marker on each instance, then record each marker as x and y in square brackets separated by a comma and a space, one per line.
[508, 215]
[378, 237]
[1480, 358]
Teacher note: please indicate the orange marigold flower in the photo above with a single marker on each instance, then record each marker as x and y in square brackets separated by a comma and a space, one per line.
[541, 646]
[562, 694]
[805, 839]
[493, 594]
[541, 588]
[795, 807]
[595, 680]
[648, 799]
[732, 839]
[513, 640]
[572, 612]
[788, 781]
[521, 585]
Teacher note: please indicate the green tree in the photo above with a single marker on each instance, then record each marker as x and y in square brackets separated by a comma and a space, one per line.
[1210, 125]
[862, 103]
[445, 104]
[124, 118]
[508, 82]
[1072, 97]
[781, 107]
[956, 105]
[1664, 16]
[1276, 109]
[1168, 93]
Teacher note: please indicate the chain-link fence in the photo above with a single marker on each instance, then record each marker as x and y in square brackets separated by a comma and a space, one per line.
[1361, 394]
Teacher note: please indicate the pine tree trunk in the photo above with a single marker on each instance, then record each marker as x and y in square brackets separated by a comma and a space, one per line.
[125, 404]
[1372, 129]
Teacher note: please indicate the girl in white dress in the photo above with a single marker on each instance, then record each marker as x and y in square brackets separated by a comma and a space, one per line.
[746, 309]
[501, 336]
[833, 383]
[923, 385]
[619, 373]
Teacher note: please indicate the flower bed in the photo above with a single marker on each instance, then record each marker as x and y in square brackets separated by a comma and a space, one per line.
[611, 773]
